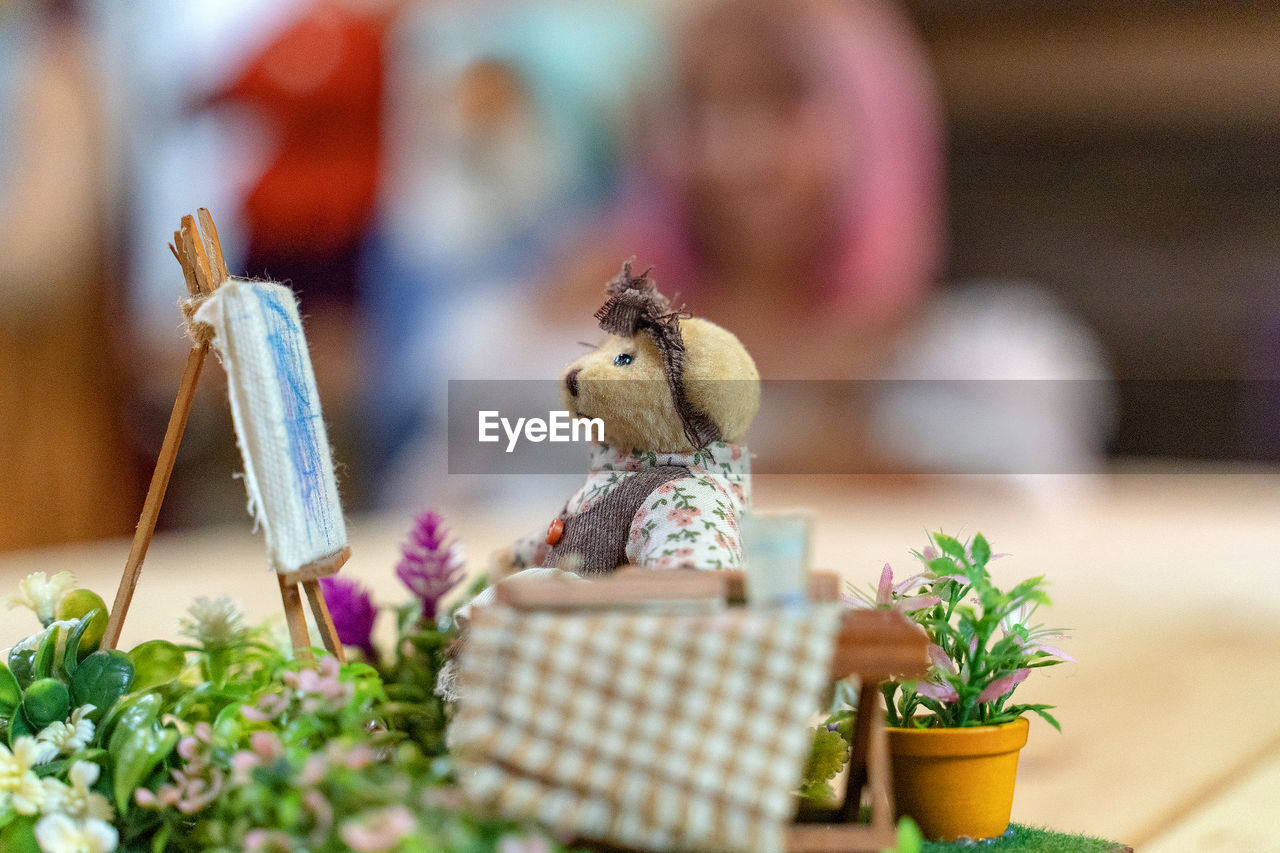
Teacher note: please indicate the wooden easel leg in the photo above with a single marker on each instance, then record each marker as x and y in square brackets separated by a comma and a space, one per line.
[296, 619]
[155, 495]
[320, 608]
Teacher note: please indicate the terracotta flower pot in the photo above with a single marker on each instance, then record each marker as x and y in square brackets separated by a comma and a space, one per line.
[956, 782]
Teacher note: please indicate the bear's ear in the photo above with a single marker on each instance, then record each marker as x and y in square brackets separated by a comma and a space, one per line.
[634, 303]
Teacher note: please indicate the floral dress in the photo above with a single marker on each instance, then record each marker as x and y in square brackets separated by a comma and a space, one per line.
[687, 523]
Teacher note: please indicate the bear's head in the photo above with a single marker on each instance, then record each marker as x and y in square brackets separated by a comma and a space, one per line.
[662, 380]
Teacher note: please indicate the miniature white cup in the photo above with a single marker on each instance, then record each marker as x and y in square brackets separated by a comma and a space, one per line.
[776, 555]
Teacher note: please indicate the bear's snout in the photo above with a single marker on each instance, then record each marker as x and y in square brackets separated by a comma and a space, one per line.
[571, 381]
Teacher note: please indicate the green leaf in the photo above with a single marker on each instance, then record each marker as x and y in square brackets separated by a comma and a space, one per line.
[51, 768]
[136, 710]
[19, 725]
[406, 693]
[1046, 716]
[71, 657]
[943, 566]
[22, 665]
[160, 841]
[10, 692]
[844, 722]
[156, 662]
[818, 792]
[42, 667]
[910, 838]
[949, 545]
[19, 836]
[827, 757]
[1030, 590]
[101, 679]
[46, 701]
[87, 606]
[229, 724]
[135, 752]
[980, 550]
[428, 641]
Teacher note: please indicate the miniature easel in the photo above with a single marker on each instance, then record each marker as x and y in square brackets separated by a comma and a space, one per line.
[874, 645]
[205, 270]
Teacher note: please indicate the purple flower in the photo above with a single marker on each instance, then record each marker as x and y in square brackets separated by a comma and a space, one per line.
[430, 564]
[941, 691]
[891, 596]
[1032, 639]
[939, 658]
[1003, 685]
[353, 612]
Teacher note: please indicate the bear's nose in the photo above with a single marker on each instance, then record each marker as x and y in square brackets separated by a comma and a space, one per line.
[571, 381]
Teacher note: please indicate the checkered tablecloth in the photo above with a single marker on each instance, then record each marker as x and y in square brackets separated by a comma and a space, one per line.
[649, 731]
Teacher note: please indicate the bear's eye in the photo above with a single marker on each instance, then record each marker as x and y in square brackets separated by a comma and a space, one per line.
[623, 359]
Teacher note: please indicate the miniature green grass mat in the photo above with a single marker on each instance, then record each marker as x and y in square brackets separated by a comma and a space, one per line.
[1028, 839]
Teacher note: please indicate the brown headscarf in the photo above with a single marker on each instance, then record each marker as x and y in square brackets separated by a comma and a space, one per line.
[635, 306]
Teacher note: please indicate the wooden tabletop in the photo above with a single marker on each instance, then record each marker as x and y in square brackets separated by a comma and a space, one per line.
[1171, 734]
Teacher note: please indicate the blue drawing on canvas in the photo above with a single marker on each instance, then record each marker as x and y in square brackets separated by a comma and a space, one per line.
[302, 417]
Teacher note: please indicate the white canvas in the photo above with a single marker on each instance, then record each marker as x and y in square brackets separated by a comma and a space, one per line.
[288, 466]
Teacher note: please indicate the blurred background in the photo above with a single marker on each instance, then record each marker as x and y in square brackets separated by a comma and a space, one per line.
[1083, 194]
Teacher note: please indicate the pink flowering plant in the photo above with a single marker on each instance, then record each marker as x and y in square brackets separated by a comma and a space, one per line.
[983, 644]
[431, 567]
[982, 641]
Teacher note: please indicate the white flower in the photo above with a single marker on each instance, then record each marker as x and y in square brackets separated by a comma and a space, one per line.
[74, 734]
[58, 833]
[19, 785]
[213, 620]
[55, 795]
[78, 800]
[42, 593]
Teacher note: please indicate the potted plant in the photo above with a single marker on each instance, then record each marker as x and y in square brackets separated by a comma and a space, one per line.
[955, 736]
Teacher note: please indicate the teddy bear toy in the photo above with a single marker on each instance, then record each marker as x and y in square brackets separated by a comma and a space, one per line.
[668, 484]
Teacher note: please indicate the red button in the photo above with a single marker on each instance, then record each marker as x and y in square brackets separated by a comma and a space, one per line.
[555, 531]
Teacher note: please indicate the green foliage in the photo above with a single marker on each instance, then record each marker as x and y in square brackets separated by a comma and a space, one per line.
[101, 679]
[828, 756]
[10, 692]
[138, 743]
[1025, 839]
[20, 726]
[22, 665]
[155, 663]
[81, 642]
[910, 838]
[46, 654]
[982, 642]
[225, 744]
[18, 835]
[87, 606]
[421, 651]
[45, 701]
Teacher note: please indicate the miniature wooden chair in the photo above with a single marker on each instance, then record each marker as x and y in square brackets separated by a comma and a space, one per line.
[872, 644]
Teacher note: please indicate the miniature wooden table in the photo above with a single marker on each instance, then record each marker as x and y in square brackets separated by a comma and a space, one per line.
[1167, 581]
[873, 645]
